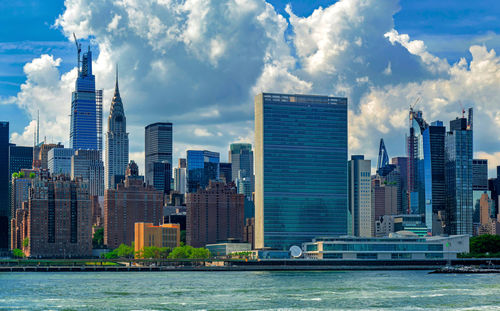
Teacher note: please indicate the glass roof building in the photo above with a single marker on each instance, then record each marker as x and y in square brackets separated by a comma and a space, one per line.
[301, 168]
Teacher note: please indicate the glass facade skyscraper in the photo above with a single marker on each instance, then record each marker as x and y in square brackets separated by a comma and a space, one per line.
[458, 176]
[86, 108]
[158, 148]
[301, 168]
[4, 185]
[241, 158]
[415, 153]
[202, 166]
[435, 187]
[20, 157]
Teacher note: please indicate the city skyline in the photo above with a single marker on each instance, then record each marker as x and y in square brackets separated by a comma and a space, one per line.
[214, 116]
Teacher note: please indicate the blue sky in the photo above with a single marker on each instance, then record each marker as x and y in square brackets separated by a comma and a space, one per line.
[448, 29]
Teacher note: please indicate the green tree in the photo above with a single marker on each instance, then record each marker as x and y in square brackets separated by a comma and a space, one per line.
[17, 253]
[110, 255]
[199, 253]
[32, 175]
[21, 174]
[26, 242]
[125, 251]
[98, 238]
[486, 243]
[181, 252]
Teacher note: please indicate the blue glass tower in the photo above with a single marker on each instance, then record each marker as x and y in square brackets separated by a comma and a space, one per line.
[458, 176]
[202, 166]
[301, 168]
[86, 108]
[435, 187]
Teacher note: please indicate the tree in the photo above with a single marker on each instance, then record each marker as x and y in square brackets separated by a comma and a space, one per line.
[17, 253]
[21, 174]
[200, 253]
[189, 252]
[32, 175]
[486, 243]
[15, 175]
[125, 251]
[110, 255]
[26, 242]
[98, 238]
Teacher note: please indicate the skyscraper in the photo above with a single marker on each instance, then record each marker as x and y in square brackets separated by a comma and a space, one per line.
[180, 179]
[479, 191]
[86, 107]
[4, 185]
[362, 218]
[301, 168]
[158, 148]
[20, 157]
[458, 176]
[59, 161]
[402, 166]
[225, 172]
[435, 187]
[116, 158]
[241, 158]
[415, 153]
[87, 164]
[202, 166]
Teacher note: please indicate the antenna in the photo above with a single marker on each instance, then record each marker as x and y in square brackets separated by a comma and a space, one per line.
[79, 49]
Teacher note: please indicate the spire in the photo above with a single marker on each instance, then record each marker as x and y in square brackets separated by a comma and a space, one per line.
[116, 85]
[116, 102]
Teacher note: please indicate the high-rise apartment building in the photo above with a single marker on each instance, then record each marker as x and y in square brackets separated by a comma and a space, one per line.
[57, 221]
[59, 161]
[415, 153]
[214, 214]
[87, 165]
[458, 176]
[158, 148]
[361, 216]
[300, 168]
[86, 108]
[116, 158]
[202, 166]
[132, 201]
[4, 185]
[435, 188]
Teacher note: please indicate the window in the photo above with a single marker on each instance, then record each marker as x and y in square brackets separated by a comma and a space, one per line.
[366, 256]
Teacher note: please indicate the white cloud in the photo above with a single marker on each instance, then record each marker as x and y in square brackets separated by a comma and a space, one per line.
[199, 63]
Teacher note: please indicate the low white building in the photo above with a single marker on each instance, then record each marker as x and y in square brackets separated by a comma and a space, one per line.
[402, 245]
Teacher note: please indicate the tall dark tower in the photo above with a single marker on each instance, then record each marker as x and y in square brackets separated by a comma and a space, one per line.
[116, 140]
[4, 186]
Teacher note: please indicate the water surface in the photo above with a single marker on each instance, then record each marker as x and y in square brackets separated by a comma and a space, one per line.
[353, 290]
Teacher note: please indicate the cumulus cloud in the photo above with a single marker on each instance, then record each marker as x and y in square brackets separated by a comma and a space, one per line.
[199, 63]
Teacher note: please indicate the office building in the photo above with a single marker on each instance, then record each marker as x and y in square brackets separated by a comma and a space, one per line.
[361, 215]
[479, 174]
[435, 192]
[57, 221]
[43, 154]
[20, 157]
[162, 176]
[394, 247]
[402, 167]
[182, 163]
[180, 179]
[415, 154]
[59, 161]
[132, 201]
[241, 158]
[87, 165]
[148, 235]
[202, 167]
[4, 186]
[300, 168]
[158, 148]
[116, 158]
[388, 224]
[458, 176]
[86, 107]
[384, 198]
[225, 172]
[214, 214]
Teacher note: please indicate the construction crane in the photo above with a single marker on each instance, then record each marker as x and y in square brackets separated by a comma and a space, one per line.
[79, 49]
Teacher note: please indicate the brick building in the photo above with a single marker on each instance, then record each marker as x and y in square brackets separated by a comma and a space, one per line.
[214, 214]
[132, 201]
[56, 221]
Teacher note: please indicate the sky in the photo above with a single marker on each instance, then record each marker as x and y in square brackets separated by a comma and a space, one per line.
[199, 63]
